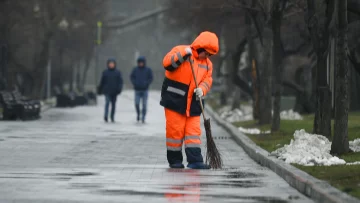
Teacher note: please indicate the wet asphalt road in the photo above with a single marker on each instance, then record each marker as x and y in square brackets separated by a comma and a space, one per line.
[71, 155]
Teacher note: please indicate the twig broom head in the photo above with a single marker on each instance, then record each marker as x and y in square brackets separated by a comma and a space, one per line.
[213, 156]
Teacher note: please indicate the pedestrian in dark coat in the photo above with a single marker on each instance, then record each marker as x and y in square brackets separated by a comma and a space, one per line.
[141, 78]
[111, 85]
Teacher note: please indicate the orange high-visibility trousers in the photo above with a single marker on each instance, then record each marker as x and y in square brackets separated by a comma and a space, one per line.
[182, 129]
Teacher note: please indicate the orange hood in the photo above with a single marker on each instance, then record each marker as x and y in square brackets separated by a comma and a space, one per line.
[208, 41]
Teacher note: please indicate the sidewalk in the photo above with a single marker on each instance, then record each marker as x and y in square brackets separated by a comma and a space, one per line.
[71, 155]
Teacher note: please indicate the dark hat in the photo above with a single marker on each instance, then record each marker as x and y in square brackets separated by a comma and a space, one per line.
[141, 59]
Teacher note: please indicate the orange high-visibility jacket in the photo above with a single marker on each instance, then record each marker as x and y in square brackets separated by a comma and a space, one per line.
[178, 87]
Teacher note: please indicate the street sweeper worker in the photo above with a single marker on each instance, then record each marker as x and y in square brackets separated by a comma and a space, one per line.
[180, 98]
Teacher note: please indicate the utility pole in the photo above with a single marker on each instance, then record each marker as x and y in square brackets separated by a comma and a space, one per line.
[98, 43]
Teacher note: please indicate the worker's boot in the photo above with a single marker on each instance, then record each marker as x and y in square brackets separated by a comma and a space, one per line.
[177, 165]
[198, 165]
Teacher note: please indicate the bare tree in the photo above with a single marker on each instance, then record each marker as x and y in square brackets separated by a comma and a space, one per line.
[267, 18]
[262, 24]
[320, 18]
[36, 30]
[277, 12]
[340, 144]
[78, 40]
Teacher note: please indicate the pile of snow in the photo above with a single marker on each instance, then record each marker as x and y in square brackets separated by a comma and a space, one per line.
[247, 109]
[290, 115]
[308, 150]
[355, 145]
[353, 163]
[235, 115]
[232, 116]
[253, 131]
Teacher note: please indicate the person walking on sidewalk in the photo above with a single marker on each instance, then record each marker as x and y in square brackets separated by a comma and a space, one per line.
[141, 78]
[111, 86]
[180, 98]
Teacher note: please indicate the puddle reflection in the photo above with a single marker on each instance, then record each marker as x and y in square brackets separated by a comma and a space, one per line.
[189, 191]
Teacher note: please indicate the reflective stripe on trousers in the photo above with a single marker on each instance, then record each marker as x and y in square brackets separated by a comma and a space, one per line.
[192, 141]
[174, 144]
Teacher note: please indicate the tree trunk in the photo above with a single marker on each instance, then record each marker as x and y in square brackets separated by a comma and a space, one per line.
[276, 65]
[320, 40]
[219, 74]
[228, 79]
[322, 121]
[340, 144]
[4, 53]
[255, 88]
[354, 89]
[236, 101]
[72, 76]
[41, 62]
[78, 69]
[265, 75]
[85, 71]
[222, 72]
[235, 60]
[313, 98]
[265, 95]
[251, 63]
[60, 77]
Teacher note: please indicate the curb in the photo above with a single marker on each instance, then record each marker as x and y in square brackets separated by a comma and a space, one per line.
[317, 190]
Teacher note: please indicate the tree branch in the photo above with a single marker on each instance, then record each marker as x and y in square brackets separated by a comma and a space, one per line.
[257, 27]
[262, 8]
[293, 86]
[289, 52]
[285, 16]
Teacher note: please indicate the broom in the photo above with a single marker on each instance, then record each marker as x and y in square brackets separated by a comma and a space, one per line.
[213, 157]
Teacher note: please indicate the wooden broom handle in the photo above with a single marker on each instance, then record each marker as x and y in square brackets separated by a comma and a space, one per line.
[197, 86]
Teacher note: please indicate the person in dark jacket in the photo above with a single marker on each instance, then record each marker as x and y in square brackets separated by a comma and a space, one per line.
[141, 78]
[110, 85]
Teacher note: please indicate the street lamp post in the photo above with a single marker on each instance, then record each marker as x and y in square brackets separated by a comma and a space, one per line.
[98, 43]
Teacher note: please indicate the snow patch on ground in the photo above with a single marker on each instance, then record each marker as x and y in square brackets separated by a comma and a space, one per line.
[355, 145]
[305, 149]
[235, 115]
[290, 115]
[245, 114]
[353, 163]
[253, 131]
[311, 149]
[308, 150]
